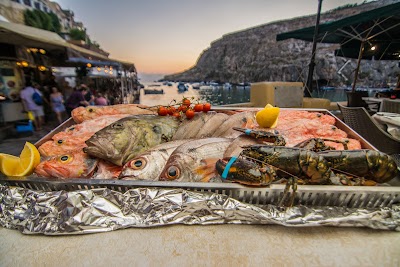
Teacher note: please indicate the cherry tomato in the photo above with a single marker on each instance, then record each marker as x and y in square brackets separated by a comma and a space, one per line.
[186, 102]
[171, 110]
[189, 113]
[206, 107]
[176, 115]
[162, 111]
[183, 108]
[198, 107]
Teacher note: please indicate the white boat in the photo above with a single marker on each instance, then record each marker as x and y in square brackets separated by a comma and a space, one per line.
[196, 86]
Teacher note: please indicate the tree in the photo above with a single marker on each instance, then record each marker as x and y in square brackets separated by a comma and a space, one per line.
[76, 34]
[42, 20]
[55, 22]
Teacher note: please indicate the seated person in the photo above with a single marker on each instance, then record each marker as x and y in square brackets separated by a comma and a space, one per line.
[393, 93]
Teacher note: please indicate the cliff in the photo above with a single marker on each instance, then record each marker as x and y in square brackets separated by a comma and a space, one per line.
[254, 55]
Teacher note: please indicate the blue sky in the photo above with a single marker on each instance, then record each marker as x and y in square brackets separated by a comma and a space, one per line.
[167, 36]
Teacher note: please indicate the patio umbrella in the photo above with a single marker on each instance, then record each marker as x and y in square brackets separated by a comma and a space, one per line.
[375, 31]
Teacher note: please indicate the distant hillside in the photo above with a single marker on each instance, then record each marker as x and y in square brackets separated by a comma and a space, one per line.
[253, 55]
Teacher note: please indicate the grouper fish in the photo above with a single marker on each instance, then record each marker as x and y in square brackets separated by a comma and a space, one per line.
[126, 138]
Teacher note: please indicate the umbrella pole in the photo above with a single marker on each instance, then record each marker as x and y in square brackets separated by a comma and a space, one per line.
[310, 75]
[360, 54]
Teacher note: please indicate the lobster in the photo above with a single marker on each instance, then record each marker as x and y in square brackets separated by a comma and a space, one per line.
[262, 164]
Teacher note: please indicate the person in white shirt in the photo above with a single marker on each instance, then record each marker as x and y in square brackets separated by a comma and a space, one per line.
[29, 105]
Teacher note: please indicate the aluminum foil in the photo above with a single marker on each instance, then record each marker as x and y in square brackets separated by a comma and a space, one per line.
[100, 210]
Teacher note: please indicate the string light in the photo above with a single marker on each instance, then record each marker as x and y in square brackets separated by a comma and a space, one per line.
[42, 68]
[24, 64]
[89, 65]
[42, 51]
[373, 48]
[98, 69]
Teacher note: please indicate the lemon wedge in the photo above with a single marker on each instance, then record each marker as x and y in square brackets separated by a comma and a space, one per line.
[22, 165]
[268, 116]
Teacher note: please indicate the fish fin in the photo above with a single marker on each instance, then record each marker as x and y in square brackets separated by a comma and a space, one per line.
[207, 178]
[207, 167]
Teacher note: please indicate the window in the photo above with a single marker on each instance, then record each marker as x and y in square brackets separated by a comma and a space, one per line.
[45, 9]
[27, 2]
[7, 72]
[37, 5]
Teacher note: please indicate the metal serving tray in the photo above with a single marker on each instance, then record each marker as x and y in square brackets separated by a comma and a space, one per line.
[310, 195]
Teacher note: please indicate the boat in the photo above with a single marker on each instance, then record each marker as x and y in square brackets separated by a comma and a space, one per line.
[153, 91]
[182, 87]
[196, 86]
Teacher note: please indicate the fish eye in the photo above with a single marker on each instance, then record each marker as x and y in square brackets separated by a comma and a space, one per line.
[117, 125]
[173, 173]
[65, 158]
[60, 141]
[138, 164]
[90, 110]
[71, 128]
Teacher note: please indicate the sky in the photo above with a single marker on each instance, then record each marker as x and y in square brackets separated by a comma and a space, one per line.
[167, 36]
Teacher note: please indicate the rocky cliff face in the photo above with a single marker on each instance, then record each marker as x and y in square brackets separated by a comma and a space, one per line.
[253, 55]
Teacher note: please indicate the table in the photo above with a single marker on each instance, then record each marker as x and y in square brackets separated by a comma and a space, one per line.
[390, 122]
[378, 100]
[214, 245]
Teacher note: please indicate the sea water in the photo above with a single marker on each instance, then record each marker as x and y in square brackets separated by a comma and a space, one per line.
[217, 95]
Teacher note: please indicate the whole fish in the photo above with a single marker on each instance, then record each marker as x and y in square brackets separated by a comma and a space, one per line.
[75, 164]
[195, 161]
[211, 125]
[74, 137]
[148, 165]
[242, 119]
[128, 137]
[81, 114]
[190, 128]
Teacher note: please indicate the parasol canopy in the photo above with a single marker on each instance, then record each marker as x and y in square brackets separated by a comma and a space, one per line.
[371, 34]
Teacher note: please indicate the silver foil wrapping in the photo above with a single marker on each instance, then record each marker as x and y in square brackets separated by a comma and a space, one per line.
[100, 210]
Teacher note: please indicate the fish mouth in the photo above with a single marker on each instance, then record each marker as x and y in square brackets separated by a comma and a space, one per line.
[48, 170]
[95, 148]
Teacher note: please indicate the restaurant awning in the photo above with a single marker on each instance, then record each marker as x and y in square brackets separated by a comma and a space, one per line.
[19, 34]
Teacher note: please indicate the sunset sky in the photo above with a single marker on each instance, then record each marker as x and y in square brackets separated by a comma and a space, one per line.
[167, 36]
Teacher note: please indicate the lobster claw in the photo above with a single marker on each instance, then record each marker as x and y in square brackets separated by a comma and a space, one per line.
[264, 136]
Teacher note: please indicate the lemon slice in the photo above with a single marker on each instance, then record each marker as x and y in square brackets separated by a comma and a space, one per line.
[268, 117]
[22, 166]
[8, 163]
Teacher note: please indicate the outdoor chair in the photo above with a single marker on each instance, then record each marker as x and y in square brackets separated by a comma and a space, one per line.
[360, 121]
[390, 106]
[354, 99]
